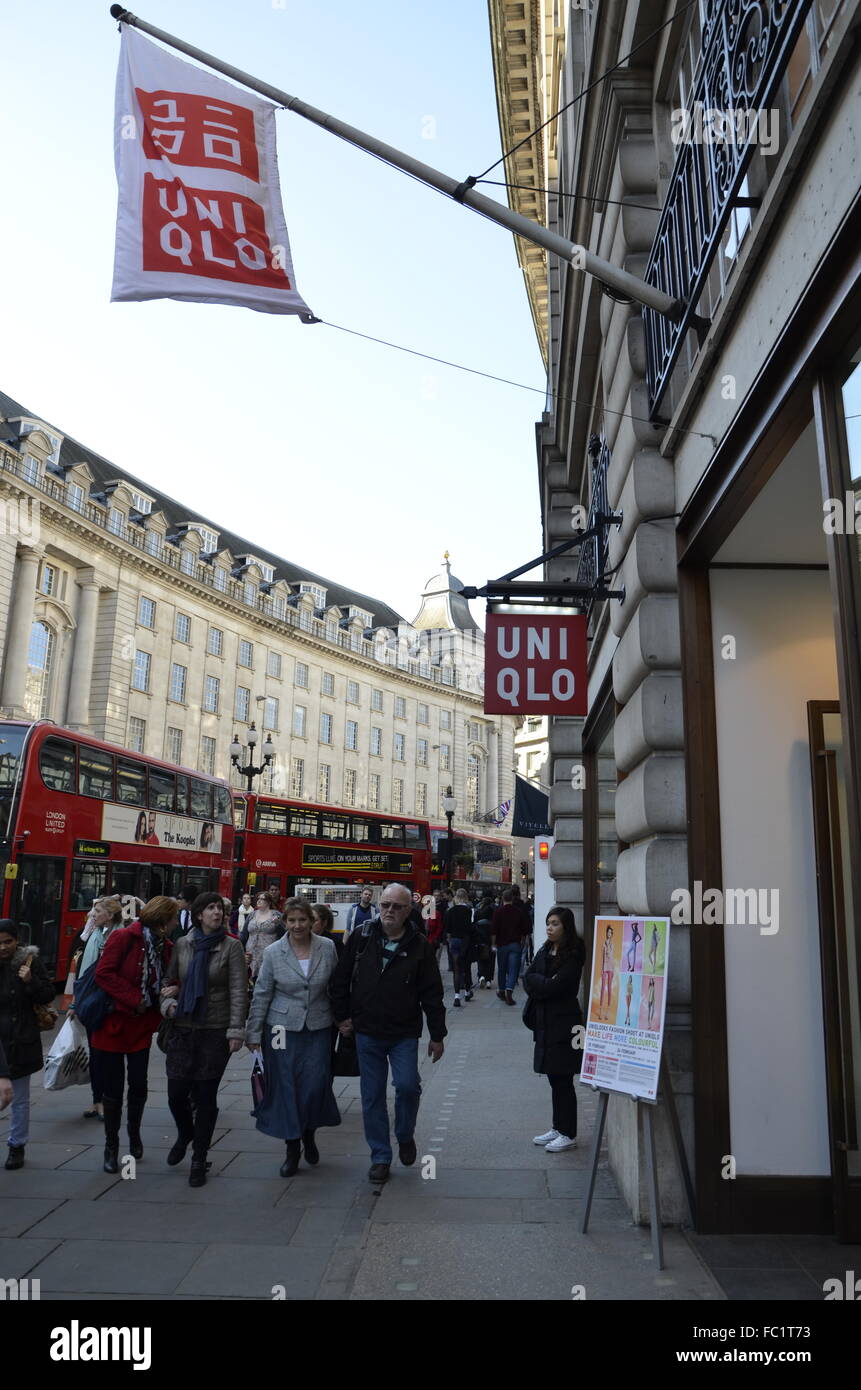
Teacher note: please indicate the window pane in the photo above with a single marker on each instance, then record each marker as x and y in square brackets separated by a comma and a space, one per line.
[223, 806]
[360, 830]
[413, 836]
[95, 773]
[57, 765]
[183, 795]
[201, 799]
[88, 882]
[334, 827]
[271, 819]
[304, 823]
[161, 790]
[131, 782]
[391, 833]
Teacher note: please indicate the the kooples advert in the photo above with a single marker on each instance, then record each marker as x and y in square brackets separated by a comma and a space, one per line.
[130, 826]
[627, 1000]
[535, 665]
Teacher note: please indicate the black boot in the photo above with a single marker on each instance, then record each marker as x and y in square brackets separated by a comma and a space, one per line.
[16, 1157]
[291, 1162]
[312, 1153]
[183, 1115]
[113, 1115]
[134, 1115]
[204, 1126]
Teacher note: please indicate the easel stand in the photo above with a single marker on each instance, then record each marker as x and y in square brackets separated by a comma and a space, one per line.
[665, 1094]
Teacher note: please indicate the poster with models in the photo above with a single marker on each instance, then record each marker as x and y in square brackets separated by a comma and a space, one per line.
[627, 1002]
[131, 826]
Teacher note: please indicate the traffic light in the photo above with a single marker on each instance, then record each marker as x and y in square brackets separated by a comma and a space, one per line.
[543, 849]
[524, 868]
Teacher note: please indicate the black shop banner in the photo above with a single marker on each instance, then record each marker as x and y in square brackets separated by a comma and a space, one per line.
[331, 857]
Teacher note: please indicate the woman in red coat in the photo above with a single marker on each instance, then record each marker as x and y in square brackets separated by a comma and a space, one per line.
[130, 971]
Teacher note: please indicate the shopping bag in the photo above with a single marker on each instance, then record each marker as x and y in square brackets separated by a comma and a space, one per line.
[258, 1078]
[68, 1062]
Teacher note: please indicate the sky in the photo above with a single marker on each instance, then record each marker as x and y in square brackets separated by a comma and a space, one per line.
[355, 461]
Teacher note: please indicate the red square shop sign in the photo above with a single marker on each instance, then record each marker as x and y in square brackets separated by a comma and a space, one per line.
[535, 665]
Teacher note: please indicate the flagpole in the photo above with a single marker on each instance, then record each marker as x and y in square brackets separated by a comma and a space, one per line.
[612, 276]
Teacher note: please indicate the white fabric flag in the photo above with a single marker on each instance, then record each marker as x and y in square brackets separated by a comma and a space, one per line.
[199, 214]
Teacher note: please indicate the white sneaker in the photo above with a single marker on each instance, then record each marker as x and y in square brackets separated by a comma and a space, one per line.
[559, 1143]
[545, 1139]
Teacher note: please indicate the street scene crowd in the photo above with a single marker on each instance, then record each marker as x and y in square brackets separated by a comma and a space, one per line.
[204, 979]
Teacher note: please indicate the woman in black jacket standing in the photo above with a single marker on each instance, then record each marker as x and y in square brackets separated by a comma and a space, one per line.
[23, 985]
[460, 935]
[552, 983]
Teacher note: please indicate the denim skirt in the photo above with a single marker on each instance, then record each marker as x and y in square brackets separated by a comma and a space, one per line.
[298, 1091]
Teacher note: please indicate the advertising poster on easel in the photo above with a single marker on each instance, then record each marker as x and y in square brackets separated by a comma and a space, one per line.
[627, 1003]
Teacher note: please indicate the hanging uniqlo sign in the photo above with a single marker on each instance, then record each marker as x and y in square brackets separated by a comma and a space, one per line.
[535, 665]
[199, 214]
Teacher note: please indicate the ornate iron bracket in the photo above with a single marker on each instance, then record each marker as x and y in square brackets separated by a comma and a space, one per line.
[509, 588]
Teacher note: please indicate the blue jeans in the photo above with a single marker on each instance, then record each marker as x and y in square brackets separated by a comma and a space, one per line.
[375, 1056]
[19, 1129]
[508, 958]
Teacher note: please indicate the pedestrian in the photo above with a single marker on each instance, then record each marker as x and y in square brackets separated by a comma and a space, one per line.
[483, 949]
[24, 984]
[324, 925]
[205, 994]
[362, 911]
[262, 928]
[509, 927]
[461, 939]
[552, 983]
[416, 915]
[130, 971]
[386, 978]
[292, 1017]
[240, 913]
[436, 928]
[185, 898]
[105, 916]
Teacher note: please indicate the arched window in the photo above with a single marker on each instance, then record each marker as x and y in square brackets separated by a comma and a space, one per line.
[40, 661]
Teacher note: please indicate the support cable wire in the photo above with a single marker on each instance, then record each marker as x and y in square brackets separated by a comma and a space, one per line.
[586, 90]
[506, 381]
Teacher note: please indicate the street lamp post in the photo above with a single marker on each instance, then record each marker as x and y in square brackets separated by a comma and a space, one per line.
[448, 805]
[249, 771]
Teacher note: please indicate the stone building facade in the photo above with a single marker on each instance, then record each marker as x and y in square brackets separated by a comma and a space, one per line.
[133, 618]
[722, 750]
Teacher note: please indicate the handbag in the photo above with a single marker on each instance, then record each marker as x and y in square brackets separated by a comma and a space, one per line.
[164, 1034]
[91, 1004]
[46, 1017]
[530, 1014]
[258, 1079]
[345, 1056]
[68, 1062]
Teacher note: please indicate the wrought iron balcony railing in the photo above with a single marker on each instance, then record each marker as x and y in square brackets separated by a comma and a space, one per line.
[746, 46]
[593, 552]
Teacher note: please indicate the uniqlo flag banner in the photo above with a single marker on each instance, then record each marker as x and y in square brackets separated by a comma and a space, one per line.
[199, 214]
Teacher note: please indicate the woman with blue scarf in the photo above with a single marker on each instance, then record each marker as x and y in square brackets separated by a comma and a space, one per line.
[206, 995]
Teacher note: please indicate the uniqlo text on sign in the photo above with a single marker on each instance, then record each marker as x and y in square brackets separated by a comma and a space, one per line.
[535, 665]
[199, 214]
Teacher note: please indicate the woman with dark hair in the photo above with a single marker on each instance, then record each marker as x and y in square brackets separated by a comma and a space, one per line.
[140, 829]
[130, 971]
[324, 923]
[552, 983]
[292, 1017]
[207, 834]
[23, 985]
[206, 994]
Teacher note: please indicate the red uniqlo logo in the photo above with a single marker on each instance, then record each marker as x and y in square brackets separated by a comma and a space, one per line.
[199, 131]
[199, 231]
[535, 665]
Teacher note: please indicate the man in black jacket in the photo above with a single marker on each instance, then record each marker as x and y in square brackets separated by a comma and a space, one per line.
[386, 977]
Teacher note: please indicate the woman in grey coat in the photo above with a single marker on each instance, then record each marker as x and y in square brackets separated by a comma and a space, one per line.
[291, 1015]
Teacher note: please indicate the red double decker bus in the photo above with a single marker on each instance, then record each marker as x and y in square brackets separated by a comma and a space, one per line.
[80, 818]
[479, 862]
[288, 845]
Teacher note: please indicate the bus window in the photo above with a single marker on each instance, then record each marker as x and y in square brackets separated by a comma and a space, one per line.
[334, 827]
[270, 819]
[303, 822]
[182, 795]
[161, 790]
[131, 782]
[223, 808]
[57, 764]
[361, 830]
[414, 836]
[130, 880]
[201, 799]
[391, 832]
[88, 881]
[95, 773]
[240, 811]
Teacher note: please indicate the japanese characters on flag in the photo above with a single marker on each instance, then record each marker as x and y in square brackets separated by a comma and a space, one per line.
[199, 214]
